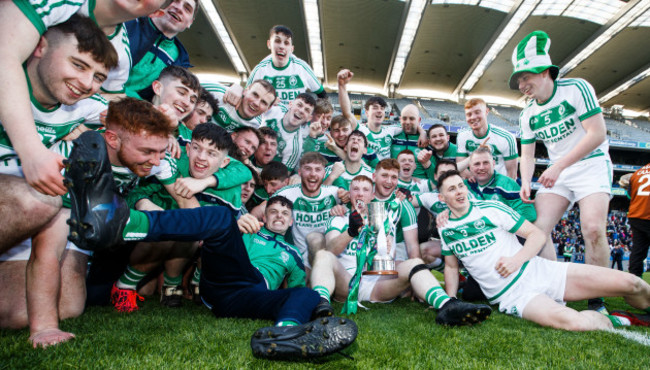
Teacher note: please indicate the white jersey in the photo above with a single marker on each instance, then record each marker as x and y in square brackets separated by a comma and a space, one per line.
[349, 256]
[502, 143]
[309, 213]
[380, 142]
[47, 13]
[417, 186]
[289, 142]
[295, 78]
[482, 236]
[344, 180]
[227, 115]
[54, 124]
[558, 121]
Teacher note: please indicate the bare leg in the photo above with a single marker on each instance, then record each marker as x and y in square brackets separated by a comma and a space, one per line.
[13, 306]
[431, 250]
[329, 273]
[546, 312]
[550, 208]
[178, 258]
[23, 211]
[44, 282]
[593, 221]
[72, 294]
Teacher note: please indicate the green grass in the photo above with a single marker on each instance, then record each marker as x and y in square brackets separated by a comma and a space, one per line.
[391, 336]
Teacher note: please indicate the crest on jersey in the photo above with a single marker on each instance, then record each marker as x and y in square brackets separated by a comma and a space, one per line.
[284, 256]
[480, 224]
[293, 81]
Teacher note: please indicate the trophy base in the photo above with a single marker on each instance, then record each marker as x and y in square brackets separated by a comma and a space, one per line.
[382, 272]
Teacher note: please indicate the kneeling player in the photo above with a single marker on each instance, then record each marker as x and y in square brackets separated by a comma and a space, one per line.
[482, 235]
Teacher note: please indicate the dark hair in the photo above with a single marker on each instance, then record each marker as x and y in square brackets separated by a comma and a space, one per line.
[278, 28]
[279, 199]
[307, 98]
[215, 134]
[445, 175]
[443, 162]
[136, 116]
[437, 125]
[186, 77]
[90, 39]
[360, 134]
[206, 96]
[242, 129]
[267, 86]
[267, 131]
[375, 100]
[274, 170]
[312, 157]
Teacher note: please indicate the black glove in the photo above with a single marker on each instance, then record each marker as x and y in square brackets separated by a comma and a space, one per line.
[355, 221]
[406, 192]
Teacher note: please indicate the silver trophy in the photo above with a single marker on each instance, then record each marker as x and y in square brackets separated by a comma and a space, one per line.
[381, 225]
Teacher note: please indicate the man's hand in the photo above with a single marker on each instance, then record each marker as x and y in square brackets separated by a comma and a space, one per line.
[248, 224]
[76, 132]
[186, 187]
[344, 76]
[338, 210]
[406, 194]
[442, 219]
[173, 147]
[355, 222]
[167, 111]
[344, 195]
[423, 140]
[295, 179]
[424, 157]
[338, 168]
[42, 170]
[233, 95]
[507, 265]
[550, 175]
[524, 193]
[315, 129]
[624, 181]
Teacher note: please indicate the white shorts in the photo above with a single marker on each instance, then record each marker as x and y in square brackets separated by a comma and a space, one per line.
[12, 170]
[540, 277]
[22, 250]
[593, 175]
[400, 252]
[367, 285]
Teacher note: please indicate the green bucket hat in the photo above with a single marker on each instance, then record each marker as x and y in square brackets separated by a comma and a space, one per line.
[531, 55]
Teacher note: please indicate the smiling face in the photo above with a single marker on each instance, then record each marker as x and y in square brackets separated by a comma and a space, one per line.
[385, 182]
[137, 152]
[481, 165]
[247, 190]
[340, 134]
[406, 166]
[376, 114]
[281, 47]
[278, 218]
[476, 117]
[361, 191]
[266, 151]
[246, 142]
[439, 139]
[355, 149]
[255, 101]
[538, 86]
[299, 113]
[176, 95]
[64, 74]
[311, 178]
[177, 17]
[324, 119]
[410, 119]
[205, 159]
[454, 193]
[201, 114]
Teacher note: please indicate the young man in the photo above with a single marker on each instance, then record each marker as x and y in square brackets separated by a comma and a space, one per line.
[274, 177]
[289, 123]
[206, 105]
[267, 150]
[289, 75]
[491, 185]
[380, 137]
[256, 99]
[408, 138]
[336, 271]
[66, 69]
[406, 180]
[481, 234]
[439, 148]
[341, 173]
[565, 115]
[230, 285]
[21, 25]
[246, 140]
[154, 45]
[638, 216]
[178, 89]
[479, 132]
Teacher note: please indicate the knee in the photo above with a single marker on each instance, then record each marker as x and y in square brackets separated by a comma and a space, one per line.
[71, 309]
[634, 284]
[593, 232]
[14, 320]
[323, 256]
[315, 242]
[43, 207]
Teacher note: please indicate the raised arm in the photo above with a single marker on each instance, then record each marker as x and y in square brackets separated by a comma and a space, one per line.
[344, 76]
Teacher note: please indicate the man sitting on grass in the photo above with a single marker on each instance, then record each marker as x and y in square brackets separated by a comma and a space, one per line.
[481, 234]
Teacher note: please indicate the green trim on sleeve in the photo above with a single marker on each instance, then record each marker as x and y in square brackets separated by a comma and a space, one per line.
[517, 225]
[31, 14]
[515, 156]
[528, 141]
[591, 113]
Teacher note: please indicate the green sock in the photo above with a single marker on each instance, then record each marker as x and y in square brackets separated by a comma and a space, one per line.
[618, 321]
[287, 323]
[172, 281]
[436, 297]
[323, 292]
[137, 227]
[130, 278]
[197, 276]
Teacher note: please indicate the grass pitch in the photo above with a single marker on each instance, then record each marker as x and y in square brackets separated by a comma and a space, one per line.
[400, 335]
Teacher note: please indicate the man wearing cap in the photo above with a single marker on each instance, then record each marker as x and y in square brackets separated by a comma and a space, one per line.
[565, 115]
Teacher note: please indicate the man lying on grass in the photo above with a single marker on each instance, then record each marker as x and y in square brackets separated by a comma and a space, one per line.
[481, 234]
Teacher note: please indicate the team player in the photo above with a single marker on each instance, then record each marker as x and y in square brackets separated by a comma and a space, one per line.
[289, 123]
[341, 173]
[408, 139]
[439, 148]
[406, 180]
[638, 216]
[483, 236]
[336, 272]
[479, 132]
[565, 115]
[289, 75]
[255, 100]
[206, 105]
[380, 138]
[267, 150]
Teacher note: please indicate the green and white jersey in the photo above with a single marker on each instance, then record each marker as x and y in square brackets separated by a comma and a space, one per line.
[309, 213]
[46, 13]
[502, 143]
[417, 186]
[558, 121]
[380, 142]
[451, 153]
[184, 134]
[348, 257]
[432, 203]
[505, 190]
[479, 238]
[227, 115]
[404, 141]
[54, 124]
[408, 219]
[289, 142]
[275, 258]
[346, 177]
[293, 79]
